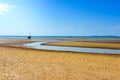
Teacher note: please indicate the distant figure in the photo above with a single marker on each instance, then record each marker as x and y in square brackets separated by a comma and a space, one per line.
[29, 37]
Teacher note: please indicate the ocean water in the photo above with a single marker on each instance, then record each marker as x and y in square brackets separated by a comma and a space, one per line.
[23, 37]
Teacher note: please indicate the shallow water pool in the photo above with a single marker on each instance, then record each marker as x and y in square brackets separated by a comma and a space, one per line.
[38, 45]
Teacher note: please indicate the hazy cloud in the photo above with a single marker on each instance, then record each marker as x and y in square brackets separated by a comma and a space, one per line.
[5, 8]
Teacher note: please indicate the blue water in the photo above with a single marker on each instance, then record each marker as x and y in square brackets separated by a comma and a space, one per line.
[37, 45]
[24, 37]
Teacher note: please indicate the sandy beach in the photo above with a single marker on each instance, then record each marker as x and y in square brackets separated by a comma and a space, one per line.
[59, 39]
[18, 63]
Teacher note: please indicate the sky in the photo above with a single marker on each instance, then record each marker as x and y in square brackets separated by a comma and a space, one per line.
[60, 17]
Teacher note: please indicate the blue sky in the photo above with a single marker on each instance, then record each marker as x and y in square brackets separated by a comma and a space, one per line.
[60, 17]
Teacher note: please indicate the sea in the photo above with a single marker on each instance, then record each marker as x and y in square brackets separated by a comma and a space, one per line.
[23, 37]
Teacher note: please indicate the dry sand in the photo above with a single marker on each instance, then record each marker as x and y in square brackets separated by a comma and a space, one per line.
[25, 64]
[28, 64]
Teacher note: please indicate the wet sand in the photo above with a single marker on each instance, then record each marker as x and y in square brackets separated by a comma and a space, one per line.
[106, 45]
[18, 63]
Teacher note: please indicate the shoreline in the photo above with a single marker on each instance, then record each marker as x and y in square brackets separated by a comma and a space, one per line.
[18, 43]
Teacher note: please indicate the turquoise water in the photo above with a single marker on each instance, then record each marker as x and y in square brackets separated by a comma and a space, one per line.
[37, 45]
[23, 37]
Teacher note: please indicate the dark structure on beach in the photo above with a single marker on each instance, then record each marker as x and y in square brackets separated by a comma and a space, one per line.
[29, 37]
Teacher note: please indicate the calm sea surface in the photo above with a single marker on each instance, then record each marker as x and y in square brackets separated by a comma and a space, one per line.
[22, 37]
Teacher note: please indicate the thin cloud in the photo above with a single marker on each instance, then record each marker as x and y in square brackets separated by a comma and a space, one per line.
[5, 8]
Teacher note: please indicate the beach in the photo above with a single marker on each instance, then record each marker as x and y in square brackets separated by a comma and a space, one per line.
[20, 63]
[59, 39]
